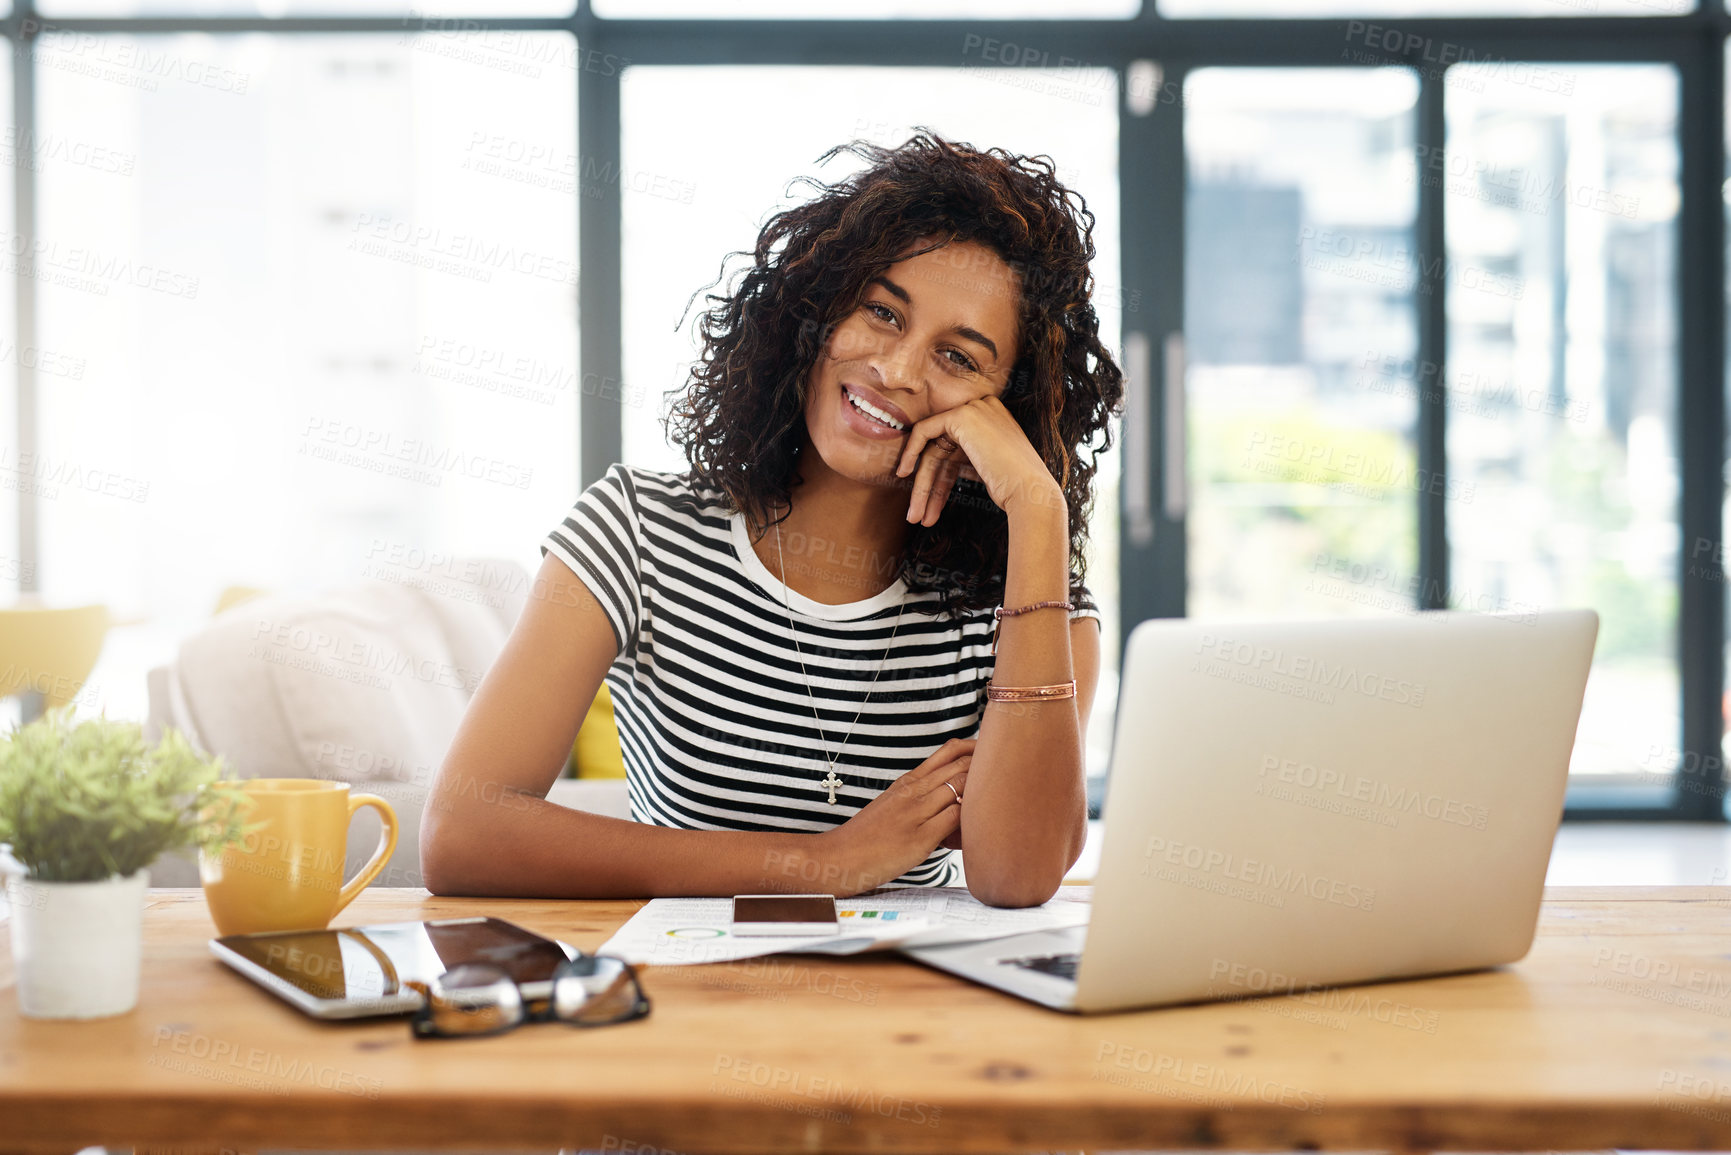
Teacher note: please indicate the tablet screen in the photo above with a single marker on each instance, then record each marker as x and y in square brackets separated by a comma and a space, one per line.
[371, 961]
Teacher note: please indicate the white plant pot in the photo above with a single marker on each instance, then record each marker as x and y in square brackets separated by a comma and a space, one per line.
[75, 945]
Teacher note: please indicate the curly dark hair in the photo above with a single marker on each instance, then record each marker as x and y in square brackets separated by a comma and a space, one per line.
[740, 417]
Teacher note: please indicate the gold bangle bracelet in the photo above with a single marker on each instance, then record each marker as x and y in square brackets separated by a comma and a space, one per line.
[1031, 693]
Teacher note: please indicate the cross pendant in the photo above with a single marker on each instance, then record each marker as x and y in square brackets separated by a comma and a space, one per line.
[830, 781]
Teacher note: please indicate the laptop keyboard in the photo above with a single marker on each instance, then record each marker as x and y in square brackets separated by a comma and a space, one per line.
[1061, 966]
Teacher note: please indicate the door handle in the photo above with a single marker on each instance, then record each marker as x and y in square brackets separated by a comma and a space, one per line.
[1138, 478]
[1177, 429]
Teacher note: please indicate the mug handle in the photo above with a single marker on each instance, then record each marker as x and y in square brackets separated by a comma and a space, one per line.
[387, 844]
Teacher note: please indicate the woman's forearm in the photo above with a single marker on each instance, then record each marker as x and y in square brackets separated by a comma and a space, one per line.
[503, 842]
[1025, 815]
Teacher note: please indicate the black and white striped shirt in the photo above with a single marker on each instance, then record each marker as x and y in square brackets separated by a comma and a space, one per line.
[715, 724]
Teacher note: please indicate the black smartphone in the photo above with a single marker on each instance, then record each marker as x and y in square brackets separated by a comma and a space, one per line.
[784, 914]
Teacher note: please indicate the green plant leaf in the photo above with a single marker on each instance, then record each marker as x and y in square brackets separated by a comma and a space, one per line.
[81, 801]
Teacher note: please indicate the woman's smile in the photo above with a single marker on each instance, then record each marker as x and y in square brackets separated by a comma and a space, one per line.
[869, 414]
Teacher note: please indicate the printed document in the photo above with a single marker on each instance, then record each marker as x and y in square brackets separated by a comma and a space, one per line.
[680, 931]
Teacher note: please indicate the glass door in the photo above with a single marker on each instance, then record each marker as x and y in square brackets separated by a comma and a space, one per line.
[1300, 280]
[1283, 443]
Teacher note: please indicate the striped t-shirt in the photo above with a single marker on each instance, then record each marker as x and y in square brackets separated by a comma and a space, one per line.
[715, 725]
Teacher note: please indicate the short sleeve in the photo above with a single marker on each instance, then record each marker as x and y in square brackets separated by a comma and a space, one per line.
[599, 542]
[1085, 606]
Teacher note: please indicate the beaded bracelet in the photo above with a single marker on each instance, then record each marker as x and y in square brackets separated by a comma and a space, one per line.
[999, 614]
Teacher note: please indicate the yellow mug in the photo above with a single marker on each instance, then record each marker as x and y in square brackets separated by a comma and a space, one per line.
[288, 874]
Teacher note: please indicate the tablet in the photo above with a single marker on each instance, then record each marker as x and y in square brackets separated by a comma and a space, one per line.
[362, 970]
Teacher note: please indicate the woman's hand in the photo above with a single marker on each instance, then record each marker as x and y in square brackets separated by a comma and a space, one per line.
[981, 441]
[895, 831]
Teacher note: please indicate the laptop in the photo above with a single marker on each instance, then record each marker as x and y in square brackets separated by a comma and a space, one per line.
[1295, 805]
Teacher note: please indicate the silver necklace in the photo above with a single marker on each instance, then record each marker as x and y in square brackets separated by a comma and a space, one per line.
[829, 781]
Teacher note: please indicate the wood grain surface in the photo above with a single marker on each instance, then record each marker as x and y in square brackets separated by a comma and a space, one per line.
[1615, 1031]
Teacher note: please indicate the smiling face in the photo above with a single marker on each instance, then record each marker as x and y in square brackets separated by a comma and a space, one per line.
[931, 333]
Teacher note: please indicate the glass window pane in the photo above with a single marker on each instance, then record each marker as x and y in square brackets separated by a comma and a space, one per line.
[698, 188]
[868, 9]
[1299, 318]
[1562, 410]
[329, 324]
[1382, 44]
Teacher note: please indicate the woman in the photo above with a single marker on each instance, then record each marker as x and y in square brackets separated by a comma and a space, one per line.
[891, 433]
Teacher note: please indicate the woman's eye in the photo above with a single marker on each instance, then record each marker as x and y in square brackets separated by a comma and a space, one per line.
[960, 360]
[881, 312]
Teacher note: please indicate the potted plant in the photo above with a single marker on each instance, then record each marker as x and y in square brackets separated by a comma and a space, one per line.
[84, 808]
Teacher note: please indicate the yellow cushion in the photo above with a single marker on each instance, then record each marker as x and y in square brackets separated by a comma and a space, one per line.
[596, 753]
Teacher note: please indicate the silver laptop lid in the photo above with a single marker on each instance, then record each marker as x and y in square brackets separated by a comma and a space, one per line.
[1306, 803]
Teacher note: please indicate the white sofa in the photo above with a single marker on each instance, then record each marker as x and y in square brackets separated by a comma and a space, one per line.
[364, 684]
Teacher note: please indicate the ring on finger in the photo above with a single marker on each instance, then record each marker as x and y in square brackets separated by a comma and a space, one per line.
[954, 791]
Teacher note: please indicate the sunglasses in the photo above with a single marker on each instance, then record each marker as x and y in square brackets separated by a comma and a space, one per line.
[481, 999]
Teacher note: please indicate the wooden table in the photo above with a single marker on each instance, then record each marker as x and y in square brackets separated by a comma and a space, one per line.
[1615, 1032]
